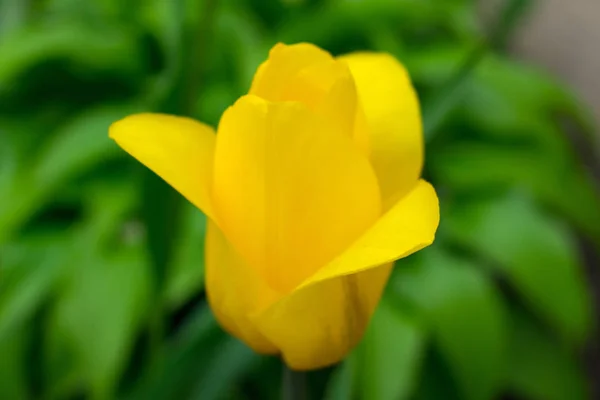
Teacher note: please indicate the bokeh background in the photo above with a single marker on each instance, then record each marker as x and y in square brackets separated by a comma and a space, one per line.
[101, 263]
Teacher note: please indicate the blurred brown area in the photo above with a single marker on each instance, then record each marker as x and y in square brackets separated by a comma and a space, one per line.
[564, 37]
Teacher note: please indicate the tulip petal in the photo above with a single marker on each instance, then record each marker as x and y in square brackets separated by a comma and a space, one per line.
[392, 111]
[407, 227]
[285, 63]
[180, 150]
[291, 191]
[307, 74]
[234, 290]
[317, 326]
[341, 104]
[320, 321]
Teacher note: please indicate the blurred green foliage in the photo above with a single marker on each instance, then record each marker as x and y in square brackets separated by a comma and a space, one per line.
[101, 263]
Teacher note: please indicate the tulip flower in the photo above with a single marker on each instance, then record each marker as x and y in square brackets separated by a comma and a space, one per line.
[312, 190]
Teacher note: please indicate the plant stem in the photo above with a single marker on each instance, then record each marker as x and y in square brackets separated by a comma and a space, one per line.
[198, 46]
[293, 384]
[450, 94]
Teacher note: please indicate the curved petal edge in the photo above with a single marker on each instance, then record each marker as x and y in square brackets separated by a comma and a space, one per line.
[178, 149]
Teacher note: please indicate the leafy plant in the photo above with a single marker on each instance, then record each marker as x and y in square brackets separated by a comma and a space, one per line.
[101, 264]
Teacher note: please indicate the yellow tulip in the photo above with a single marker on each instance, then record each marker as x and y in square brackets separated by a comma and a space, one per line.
[312, 189]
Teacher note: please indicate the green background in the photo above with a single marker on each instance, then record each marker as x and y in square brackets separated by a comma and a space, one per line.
[101, 263]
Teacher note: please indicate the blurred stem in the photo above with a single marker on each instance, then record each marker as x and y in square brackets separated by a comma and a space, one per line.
[293, 384]
[199, 42]
[450, 94]
[510, 16]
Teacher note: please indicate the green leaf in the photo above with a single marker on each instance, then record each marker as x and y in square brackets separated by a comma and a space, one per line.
[523, 99]
[453, 92]
[434, 65]
[201, 361]
[389, 355]
[531, 109]
[472, 167]
[465, 314]
[79, 145]
[186, 275]
[438, 109]
[185, 354]
[8, 167]
[85, 46]
[13, 377]
[216, 96]
[536, 254]
[241, 34]
[100, 311]
[62, 372]
[527, 105]
[230, 361]
[162, 216]
[92, 11]
[29, 274]
[436, 380]
[165, 20]
[540, 369]
[108, 202]
[457, 17]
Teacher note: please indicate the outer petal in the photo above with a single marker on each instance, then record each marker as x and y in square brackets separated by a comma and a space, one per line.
[407, 227]
[291, 191]
[285, 63]
[180, 150]
[235, 290]
[325, 316]
[319, 325]
[392, 110]
[307, 74]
